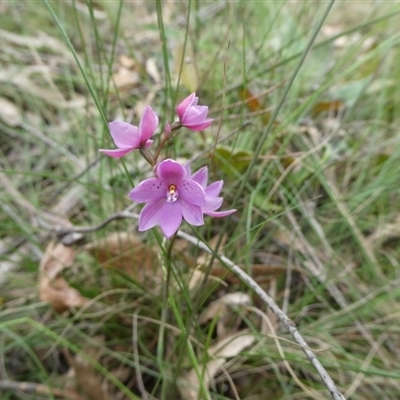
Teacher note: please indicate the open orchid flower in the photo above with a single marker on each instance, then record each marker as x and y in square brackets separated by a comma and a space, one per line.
[191, 115]
[128, 137]
[169, 197]
[212, 191]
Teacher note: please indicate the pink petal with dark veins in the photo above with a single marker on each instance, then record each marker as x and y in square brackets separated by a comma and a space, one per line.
[149, 190]
[191, 192]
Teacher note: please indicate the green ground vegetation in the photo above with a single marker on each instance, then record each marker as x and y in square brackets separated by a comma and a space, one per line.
[310, 160]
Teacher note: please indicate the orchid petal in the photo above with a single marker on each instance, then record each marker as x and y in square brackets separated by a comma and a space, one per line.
[189, 198]
[195, 101]
[151, 214]
[188, 168]
[192, 192]
[124, 135]
[149, 190]
[185, 105]
[214, 189]
[116, 153]
[148, 143]
[191, 115]
[171, 172]
[192, 214]
[201, 177]
[200, 127]
[148, 125]
[212, 204]
[196, 115]
[219, 214]
[171, 218]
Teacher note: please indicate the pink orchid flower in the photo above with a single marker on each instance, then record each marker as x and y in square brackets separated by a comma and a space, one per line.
[169, 197]
[128, 137]
[191, 115]
[212, 191]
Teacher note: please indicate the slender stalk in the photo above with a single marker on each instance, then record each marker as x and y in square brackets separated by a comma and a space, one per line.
[165, 52]
[163, 319]
[183, 55]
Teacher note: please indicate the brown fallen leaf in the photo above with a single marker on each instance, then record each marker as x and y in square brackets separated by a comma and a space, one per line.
[221, 309]
[201, 281]
[53, 287]
[233, 344]
[189, 384]
[9, 112]
[252, 101]
[284, 237]
[39, 390]
[328, 106]
[126, 75]
[88, 381]
[56, 258]
[254, 105]
[260, 272]
[126, 252]
[152, 69]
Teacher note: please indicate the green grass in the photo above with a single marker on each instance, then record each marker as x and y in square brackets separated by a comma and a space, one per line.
[316, 193]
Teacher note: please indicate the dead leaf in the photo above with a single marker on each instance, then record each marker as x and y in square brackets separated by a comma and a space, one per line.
[92, 12]
[189, 384]
[251, 101]
[9, 112]
[232, 345]
[140, 105]
[200, 281]
[127, 62]
[41, 40]
[152, 70]
[56, 258]
[286, 238]
[88, 382]
[262, 273]
[126, 252]
[221, 309]
[328, 106]
[53, 287]
[127, 75]
[221, 306]
[25, 79]
[254, 105]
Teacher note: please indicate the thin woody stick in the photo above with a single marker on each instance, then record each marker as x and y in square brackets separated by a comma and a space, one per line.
[38, 388]
[285, 320]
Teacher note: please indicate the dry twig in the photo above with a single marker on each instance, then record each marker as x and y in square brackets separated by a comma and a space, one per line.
[284, 319]
[39, 389]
